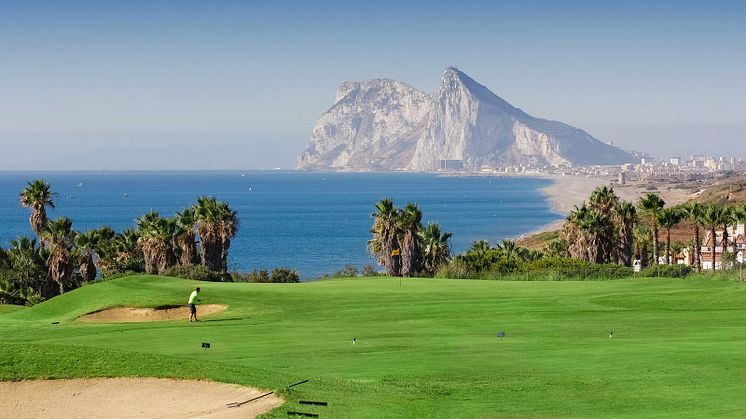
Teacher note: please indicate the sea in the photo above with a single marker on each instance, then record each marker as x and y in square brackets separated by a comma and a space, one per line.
[314, 222]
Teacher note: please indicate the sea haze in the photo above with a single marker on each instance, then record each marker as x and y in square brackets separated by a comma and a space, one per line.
[314, 222]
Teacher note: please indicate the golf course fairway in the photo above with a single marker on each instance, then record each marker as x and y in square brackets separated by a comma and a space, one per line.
[427, 348]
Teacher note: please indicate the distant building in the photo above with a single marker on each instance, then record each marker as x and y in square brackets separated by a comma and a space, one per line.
[622, 178]
[451, 164]
[676, 161]
[736, 241]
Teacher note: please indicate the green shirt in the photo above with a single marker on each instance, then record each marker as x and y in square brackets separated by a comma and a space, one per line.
[193, 297]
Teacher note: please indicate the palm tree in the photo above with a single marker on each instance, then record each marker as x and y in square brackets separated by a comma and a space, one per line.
[185, 237]
[37, 196]
[641, 239]
[123, 253]
[603, 201]
[652, 205]
[228, 229]
[584, 232]
[148, 240]
[592, 228]
[712, 218]
[28, 263]
[739, 213]
[436, 249]
[626, 215]
[86, 244]
[217, 224]
[572, 233]
[668, 218]
[676, 249]
[508, 248]
[156, 241]
[692, 211]
[410, 226]
[58, 236]
[738, 217]
[729, 216]
[385, 243]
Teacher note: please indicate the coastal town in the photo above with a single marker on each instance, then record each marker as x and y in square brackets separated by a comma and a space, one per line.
[676, 168]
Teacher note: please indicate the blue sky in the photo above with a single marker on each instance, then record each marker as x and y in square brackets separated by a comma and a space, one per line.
[239, 84]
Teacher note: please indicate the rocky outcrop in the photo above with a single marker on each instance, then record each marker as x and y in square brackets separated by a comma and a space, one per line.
[372, 125]
[388, 125]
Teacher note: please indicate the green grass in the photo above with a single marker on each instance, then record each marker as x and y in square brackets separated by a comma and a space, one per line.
[427, 348]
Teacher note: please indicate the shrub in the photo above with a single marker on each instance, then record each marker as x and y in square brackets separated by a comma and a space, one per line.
[278, 275]
[196, 272]
[256, 276]
[119, 275]
[369, 270]
[349, 271]
[284, 275]
[666, 271]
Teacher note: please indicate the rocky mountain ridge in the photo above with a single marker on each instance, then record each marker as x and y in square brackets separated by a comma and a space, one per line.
[384, 124]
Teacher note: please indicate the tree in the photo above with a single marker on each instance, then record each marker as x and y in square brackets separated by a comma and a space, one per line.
[436, 248]
[668, 218]
[626, 214]
[124, 253]
[603, 200]
[156, 241]
[642, 239]
[713, 217]
[692, 211]
[557, 248]
[652, 205]
[27, 263]
[507, 248]
[37, 196]
[584, 231]
[729, 217]
[58, 236]
[186, 240]
[86, 244]
[385, 239]
[410, 225]
[217, 224]
[228, 229]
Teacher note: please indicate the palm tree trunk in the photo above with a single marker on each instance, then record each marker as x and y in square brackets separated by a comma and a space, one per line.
[724, 246]
[714, 241]
[668, 247]
[735, 236]
[697, 248]
[87, 268]
[656, 254]
[188, 248]
[630, 239]
[38, 220]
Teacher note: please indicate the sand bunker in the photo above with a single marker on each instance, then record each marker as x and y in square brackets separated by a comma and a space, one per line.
[131, 398]
[130, 315]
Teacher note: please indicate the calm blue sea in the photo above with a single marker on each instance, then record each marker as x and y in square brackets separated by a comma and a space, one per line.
[314, 222]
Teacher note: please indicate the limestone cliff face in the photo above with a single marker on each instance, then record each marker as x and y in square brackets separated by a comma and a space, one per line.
[387, 125]
[371, 126]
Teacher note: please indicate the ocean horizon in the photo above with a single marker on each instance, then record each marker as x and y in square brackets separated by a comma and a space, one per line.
[315, 222]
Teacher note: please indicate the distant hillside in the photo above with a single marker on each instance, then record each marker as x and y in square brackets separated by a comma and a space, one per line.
[384, 124]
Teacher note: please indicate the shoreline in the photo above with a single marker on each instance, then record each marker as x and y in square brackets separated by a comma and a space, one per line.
[567, 191]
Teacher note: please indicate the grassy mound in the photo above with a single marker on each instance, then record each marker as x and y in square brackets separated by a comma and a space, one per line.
[427, 348]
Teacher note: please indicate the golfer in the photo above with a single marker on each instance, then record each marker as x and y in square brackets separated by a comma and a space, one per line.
[193, 298]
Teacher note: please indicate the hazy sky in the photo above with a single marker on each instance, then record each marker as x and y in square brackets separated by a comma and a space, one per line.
[239, 84]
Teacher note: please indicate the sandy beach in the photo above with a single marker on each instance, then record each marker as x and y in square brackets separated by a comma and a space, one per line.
[565, 192]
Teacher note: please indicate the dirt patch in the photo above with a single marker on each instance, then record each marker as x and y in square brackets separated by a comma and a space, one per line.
[131, 398]
[133, 315]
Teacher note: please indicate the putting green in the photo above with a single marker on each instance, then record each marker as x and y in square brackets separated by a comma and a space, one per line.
[427, 348]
